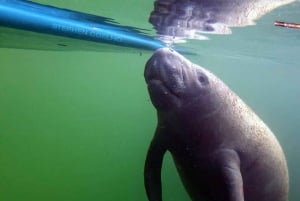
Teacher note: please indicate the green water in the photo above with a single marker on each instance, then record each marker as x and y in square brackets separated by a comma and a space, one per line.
[76, 125]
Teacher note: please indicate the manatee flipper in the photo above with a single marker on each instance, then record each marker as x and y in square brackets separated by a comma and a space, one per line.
[229, 163]
[152, 172]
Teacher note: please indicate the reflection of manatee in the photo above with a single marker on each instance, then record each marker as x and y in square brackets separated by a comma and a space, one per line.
[222, 150]
[186, 18]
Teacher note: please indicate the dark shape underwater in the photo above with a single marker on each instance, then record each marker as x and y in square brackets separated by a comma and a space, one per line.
[222, 150]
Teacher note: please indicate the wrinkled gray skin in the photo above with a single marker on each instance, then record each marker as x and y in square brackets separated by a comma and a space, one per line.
[222, 150]
[187, 17]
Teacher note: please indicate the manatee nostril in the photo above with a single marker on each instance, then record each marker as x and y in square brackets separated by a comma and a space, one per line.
[162, 52]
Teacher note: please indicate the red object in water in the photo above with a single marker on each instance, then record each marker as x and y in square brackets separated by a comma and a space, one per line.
[287, 25]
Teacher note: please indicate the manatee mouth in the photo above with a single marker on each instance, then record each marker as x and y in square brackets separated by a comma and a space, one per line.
[158, 85]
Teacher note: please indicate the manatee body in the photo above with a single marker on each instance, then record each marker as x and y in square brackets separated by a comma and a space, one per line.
[186, 18]
[221, 148]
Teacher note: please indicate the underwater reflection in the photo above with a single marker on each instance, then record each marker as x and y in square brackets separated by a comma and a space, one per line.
[189, 19]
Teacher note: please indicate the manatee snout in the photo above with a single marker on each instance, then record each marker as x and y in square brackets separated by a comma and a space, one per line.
[165, 75]
[171, 79]
[161, 65]
[167, 68]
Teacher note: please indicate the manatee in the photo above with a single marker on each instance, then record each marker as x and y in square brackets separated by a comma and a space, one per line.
[188, 18]
[222, 150]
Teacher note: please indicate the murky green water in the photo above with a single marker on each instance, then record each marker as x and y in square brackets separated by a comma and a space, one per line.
[77, 125]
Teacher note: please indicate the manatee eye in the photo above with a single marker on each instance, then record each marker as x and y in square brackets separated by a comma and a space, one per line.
[202, 79]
